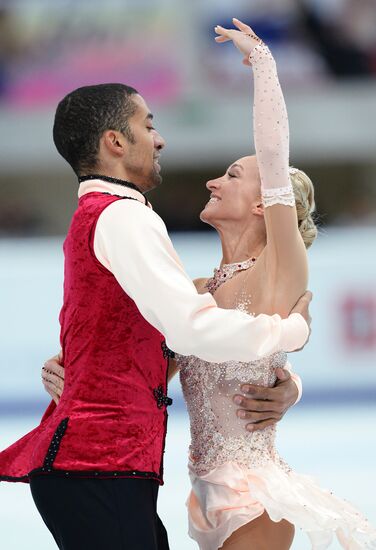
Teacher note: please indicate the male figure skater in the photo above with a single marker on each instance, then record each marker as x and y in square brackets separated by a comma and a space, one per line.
[95, 462]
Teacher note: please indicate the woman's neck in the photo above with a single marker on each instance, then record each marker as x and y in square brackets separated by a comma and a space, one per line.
[240, 244]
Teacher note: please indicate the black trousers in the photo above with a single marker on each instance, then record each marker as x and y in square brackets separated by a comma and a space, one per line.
[100, 514]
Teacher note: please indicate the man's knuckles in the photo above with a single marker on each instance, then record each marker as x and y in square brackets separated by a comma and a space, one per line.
[255, 392]
[256, 417]
[261, 425]
[257, 405]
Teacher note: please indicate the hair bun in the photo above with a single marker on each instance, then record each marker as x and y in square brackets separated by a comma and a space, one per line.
[305, 205]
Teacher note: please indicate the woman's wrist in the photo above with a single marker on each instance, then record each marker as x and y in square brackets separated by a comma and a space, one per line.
[259, 53]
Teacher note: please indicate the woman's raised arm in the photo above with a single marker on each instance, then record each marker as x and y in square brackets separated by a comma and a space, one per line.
[285, 252]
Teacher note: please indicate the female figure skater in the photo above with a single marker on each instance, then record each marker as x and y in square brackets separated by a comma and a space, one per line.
[244, 496]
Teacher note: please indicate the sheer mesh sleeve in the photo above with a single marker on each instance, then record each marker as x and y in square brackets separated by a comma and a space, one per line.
[271, 130]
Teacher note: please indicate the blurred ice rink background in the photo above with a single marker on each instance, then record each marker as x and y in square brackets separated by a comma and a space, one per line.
[199, 93]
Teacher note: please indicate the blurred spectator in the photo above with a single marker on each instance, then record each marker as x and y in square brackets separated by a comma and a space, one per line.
[46, 50]
[339, 40]
[360, 212]
[167, 51]
[18, 219]
[9, 47]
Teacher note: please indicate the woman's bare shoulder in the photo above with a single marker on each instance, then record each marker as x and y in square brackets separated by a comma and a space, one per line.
[200, 284]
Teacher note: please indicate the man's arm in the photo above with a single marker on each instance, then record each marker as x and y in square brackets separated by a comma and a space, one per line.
[253, 407]
[132, 242]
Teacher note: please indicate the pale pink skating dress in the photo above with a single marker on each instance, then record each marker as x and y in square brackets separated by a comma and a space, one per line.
[236, 475]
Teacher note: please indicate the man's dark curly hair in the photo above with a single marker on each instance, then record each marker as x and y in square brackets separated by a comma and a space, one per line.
[82, 117]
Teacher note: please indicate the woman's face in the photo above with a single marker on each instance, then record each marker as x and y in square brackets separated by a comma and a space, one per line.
[235, 196]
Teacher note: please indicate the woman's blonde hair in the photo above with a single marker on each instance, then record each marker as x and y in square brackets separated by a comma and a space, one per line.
[305, 205]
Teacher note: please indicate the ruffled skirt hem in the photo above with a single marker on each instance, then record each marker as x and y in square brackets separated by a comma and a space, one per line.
[231, 496]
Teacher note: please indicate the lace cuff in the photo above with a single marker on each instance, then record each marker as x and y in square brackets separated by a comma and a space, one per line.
[278, 195]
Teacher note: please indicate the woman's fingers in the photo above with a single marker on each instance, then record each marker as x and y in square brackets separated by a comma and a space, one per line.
[219, 29]
[53, 366]
[241, 26]
[222, 39]
[230, 34]
[50, 386]
[244, 40]
[52, 382]
[53, 393]
[222, 31]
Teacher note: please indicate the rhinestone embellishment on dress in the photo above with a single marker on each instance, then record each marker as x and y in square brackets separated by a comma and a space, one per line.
[226, 272]
[218, 435]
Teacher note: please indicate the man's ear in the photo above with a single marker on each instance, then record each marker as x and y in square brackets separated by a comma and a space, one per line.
[114, 142]
[258, 209]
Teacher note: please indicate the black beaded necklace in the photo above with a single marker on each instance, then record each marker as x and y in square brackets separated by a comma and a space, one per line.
[117, 181]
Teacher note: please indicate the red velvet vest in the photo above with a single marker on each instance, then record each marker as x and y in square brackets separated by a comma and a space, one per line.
[111, 419]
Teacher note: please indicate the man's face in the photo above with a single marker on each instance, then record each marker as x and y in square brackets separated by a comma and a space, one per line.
[142, 159]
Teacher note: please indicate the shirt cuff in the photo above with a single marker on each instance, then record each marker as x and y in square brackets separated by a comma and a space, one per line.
[294, 333]
[299, 385]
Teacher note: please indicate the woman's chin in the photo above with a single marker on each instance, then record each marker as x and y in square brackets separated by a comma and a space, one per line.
[204, 215]
[207, 217]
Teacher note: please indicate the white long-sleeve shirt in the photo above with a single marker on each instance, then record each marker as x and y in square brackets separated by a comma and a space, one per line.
[132, 242]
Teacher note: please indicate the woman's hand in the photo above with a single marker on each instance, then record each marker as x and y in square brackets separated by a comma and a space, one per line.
[244, 39]
[53, 377]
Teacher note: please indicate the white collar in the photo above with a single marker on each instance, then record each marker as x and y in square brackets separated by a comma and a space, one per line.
[100, 186]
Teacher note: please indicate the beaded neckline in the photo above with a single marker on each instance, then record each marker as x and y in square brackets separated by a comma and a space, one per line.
[226, 272]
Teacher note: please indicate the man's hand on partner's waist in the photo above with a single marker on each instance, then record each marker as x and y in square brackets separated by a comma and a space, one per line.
[266, 406]
[53, 377]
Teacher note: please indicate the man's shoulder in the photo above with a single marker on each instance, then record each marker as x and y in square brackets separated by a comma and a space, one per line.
[135, 209]
[132, 216]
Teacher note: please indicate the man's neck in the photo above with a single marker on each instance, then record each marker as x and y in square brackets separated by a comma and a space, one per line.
[117, 172]
[101, 185]
[109, 179]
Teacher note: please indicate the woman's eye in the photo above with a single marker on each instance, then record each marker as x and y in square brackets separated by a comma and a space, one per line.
[231, 175]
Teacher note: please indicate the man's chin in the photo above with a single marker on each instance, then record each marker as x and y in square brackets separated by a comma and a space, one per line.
[153, 181]
[157, 179]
